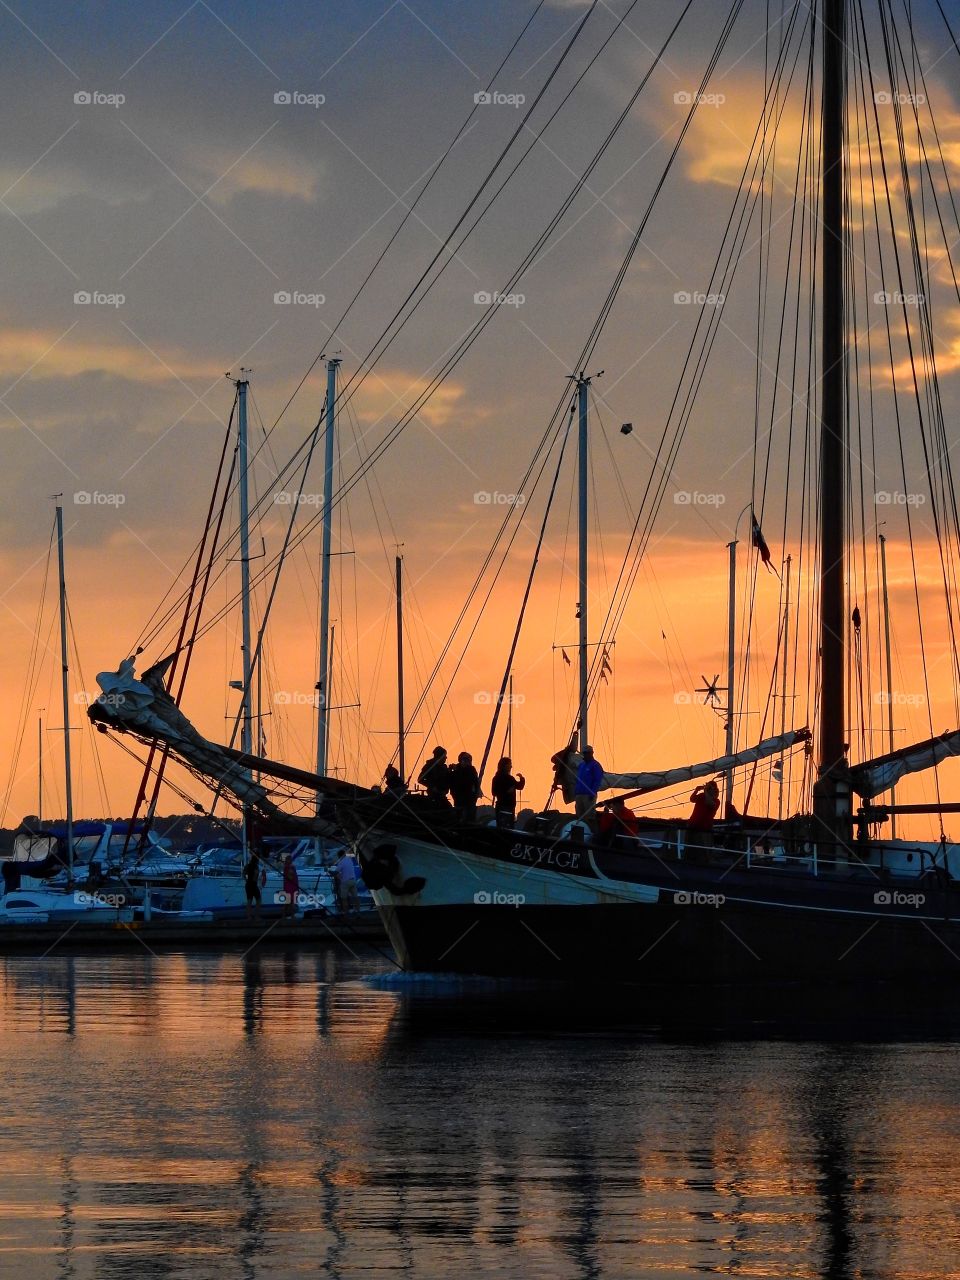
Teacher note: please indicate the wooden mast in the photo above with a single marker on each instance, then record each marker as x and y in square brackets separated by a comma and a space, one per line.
[831, 792]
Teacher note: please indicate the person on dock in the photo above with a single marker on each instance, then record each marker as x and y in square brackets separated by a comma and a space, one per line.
[505, 787]
[465, 788]
[435, 777]
[254, 878]
[291, 886]
[589, 778]
[706, 802]
[393, 784]
[346, 876]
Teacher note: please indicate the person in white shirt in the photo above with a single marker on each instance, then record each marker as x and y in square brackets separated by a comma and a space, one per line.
[346, 873]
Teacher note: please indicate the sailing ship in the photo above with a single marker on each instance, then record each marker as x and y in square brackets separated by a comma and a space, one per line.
[821, 895]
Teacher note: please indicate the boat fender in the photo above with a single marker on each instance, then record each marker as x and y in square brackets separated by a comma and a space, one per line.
[382, 871]
[381, 867]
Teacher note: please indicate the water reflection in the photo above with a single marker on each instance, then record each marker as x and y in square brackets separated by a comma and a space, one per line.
[286, 1115]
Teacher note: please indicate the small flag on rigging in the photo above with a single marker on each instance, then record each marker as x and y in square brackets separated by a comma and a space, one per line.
[565, 658]
[760, 542]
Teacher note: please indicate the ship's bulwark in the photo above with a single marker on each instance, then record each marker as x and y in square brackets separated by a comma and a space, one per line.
[671, 923]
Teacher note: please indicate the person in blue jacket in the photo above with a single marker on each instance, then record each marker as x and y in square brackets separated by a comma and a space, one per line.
[589, 777]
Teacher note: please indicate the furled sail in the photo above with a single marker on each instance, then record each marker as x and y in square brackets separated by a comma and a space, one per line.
[873, 776]
[143, 707]
[650, 781]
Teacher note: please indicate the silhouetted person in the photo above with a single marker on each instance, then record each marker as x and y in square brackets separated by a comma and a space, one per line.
[504, 788]
[617, 820]
[589, 778]
[254, 878]
[465, 788]
[393, 784]
[706, 803]
[435, 776]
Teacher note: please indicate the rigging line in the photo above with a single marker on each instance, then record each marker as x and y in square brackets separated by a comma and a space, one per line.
[165, 751]
[548, 507]
[462, 345]
[97, 764]
[463, 129]
[624, 585]
[908, 201]
[271, 595]
[33, 676]
[448, 645]
[896, 253]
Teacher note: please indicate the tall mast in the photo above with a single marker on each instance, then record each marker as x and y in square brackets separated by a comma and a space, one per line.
[243, 452]
[323, 709]
[40, 765]
[583, 458]
[731, 661]
[401, 749]
[831, 794]
[65, 678]
[889, 671]
[246, 739]
[784, 663]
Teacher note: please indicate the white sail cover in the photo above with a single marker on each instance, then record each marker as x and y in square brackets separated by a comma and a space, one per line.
[873, 776]
[144, 707]
[650, 781]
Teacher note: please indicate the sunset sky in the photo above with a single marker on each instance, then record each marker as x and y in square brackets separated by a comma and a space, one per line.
[185, 208]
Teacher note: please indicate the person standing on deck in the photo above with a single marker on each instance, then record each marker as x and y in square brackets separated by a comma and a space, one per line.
[465, 788]
[706, 802]
[504, 788]
[435, 776]
[589, 778]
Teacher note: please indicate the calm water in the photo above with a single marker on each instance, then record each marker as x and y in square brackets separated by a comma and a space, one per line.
[308, 1115]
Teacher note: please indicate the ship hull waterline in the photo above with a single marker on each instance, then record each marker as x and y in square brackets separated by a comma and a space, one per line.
[507, 915]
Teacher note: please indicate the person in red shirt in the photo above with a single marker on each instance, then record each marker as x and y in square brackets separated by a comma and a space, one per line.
[617, 820]
[706, 802]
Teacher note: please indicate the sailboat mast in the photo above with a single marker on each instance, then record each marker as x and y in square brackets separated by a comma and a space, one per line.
[65, 685]
[323, 710]
[731, 662]
[829, 803]
[401, 750]
[246, 738]
[583, 458]
[889, 671]
[784, 662]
